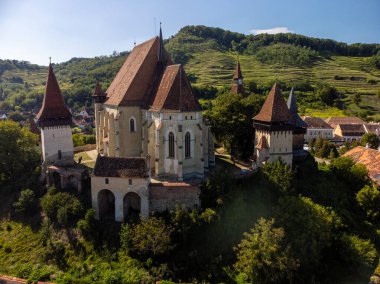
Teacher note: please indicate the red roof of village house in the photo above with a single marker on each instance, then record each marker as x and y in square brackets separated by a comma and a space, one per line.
[53, 110]
[369, 158]
[274, 108]
[174, 92]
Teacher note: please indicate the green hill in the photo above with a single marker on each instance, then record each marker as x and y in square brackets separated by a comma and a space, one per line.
[209, 56]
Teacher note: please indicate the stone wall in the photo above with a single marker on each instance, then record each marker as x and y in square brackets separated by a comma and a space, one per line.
[167, 196]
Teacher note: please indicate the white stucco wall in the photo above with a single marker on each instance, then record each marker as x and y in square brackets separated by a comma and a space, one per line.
[120, 187]
[54, 139]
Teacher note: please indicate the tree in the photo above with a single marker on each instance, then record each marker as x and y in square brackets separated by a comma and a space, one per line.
[368, 199]
[151, 237]
[309, 229]
[280, 174]
[371, 139]
[263, 255]
[25, 202]
[19, 155]
[61, 208]
[327, 94]
[231, 121]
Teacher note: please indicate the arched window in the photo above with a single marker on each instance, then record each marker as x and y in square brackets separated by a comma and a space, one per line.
[132, 127]
[187, 145]
[171, 145]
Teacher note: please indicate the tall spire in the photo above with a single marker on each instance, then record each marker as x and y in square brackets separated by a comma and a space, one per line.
[53, 110]
[292, 103]
[161, 54]
[237, 83]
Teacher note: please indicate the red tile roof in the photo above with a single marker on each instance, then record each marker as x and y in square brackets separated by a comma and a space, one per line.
[369, 158]
[53, 110]
[136, 79]
[174, 92]
[274, 108]
[120, 167]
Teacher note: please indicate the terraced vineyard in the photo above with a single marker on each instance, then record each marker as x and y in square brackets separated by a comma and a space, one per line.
[209, 63]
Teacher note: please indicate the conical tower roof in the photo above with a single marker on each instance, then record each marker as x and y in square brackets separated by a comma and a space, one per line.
[274, 109]
[98, 91]
[53, 110]
[295, 119]
[238, 74]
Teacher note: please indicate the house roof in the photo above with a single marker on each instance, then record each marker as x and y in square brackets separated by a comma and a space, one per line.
[120, 167]
[316, 122]
[295, 119]
[263, 144]
[344, 120]
[139, 75]
[352, 129]
[274, 108]
[174, 92]
[53, 110]
[367, 157]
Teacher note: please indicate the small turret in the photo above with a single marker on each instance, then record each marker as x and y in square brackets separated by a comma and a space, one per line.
[99, 96]
[237, 84]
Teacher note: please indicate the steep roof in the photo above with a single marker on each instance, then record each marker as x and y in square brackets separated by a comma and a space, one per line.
[98, 92]
[316, 122]
[238, 74]
[174, 92]
[295, 119]
[373, 128]
[274, 108]
[53, 110]
[136, 79]
[120, 167]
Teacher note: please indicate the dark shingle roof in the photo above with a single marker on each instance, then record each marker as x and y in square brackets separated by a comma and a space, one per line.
[274, 108]
[120, 167]
[352, 129]
[53, 110]
[344, 120]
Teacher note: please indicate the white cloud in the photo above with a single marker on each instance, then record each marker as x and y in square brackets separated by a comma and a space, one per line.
[272, 31]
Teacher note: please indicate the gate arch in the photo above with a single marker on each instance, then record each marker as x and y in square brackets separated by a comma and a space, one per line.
[131, 205]
[106, 205]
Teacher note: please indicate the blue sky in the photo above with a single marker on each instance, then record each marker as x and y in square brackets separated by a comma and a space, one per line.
[33, 30]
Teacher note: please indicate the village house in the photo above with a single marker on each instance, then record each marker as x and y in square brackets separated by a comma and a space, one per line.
[317, 127]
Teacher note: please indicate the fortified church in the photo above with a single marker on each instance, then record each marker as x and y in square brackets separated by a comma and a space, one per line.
[153, 145]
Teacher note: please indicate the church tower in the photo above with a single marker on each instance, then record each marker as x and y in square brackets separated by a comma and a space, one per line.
[273, 132]
[55, 120]
[237, 83]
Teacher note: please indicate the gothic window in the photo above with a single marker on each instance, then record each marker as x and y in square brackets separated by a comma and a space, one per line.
[132, 127]
[187, 145]
[171, 145]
